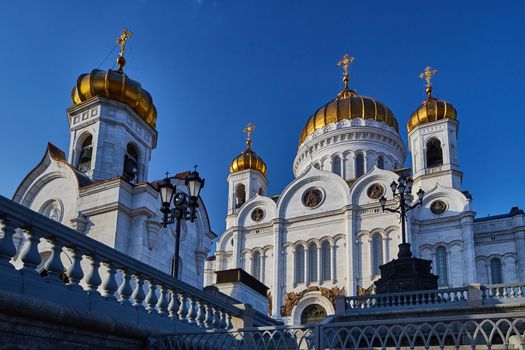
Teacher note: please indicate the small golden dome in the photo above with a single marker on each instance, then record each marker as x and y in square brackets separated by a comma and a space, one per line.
[248, 159]
[348, 105]
[115, 85]
[431, 110]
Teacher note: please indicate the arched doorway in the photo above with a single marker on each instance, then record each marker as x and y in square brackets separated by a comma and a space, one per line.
[314, 313]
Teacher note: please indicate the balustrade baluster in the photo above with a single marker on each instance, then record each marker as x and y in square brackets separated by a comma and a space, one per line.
[124, 290]
[151, 297]
[75, 273]
[216, 318]
[208, 321]
[192, 314]
[7, 246]
[229, 323]
[29, 255]
[53, 266]
[162, 304]
[173, 306]
[138, 293]
[183, 311]
[110, 285]
[520, 291]
[201, 314]
[222, 323]
[93, 277]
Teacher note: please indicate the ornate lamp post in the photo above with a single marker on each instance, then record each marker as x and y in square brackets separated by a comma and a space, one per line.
[402, 191]
[184, 206]
[406, 273]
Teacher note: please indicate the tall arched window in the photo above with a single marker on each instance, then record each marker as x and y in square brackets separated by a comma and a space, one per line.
[380, 162]
[299, 265]
[336, 165]
[86, 153]
[312, 263]
[359, 165]
[434, 153]
[325, 261]
[441, 268]
[131, 164]
[377, 253]
[256, 265]
[495, 271]
[240, 195]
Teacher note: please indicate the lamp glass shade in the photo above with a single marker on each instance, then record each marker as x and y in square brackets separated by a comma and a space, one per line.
[393, 186]
[194, 184]
[420, 194]
[166, 192]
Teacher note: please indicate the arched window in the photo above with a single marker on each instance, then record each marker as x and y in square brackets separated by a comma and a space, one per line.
[441, 268]
[325, 261]
[377, 253]
[312, 263]
[380, 162]
[317, 166]
[240, 195]
[86, 153]
[359, 165]
[299, 265]
[434, 153]
[131, 161]
[336, 165]
[256, 265]
[495, 271]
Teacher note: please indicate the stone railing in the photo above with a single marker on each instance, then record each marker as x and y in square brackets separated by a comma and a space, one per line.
[503, 293]
[100, 280]
[418, 299]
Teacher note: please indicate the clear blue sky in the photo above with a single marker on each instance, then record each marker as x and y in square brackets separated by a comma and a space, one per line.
[213, 66]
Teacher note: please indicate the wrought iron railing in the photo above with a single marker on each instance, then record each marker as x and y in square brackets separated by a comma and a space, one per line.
[496, 331]
[98, 271]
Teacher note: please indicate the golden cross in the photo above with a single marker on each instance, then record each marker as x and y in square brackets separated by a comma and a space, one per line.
[427, 75]
[345, 63]
[122, 39]
[248, 131]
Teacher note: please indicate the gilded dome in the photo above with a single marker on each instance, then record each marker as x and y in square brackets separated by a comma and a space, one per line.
[431, 110]
[115, 85]
[348, 105]
[248, 159]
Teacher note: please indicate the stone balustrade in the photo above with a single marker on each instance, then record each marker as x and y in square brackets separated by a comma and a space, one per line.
[503, 293]
[99, 279]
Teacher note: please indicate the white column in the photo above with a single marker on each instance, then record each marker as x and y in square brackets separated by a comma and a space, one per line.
[385, 250]
[306, 267]
[450, 284]
[277, 273]
[351, 267]
[294, 276]
[319, 264]
[333, 248]
[520, 248]
[236, 263]
[468, 246]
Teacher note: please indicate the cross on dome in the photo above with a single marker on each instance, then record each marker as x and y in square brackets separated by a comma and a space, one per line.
[427, 75]
[248, 131]
[345, 63]
[122, 41]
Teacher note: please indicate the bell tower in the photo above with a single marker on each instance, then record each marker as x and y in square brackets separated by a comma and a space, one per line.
[432, 141]
[112, 124]
[247, 176]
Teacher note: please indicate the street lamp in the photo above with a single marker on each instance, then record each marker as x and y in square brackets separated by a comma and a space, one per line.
[184, 206]
[402, 191]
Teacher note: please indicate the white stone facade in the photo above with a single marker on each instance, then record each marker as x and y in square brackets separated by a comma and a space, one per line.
[100, 204]
[306, 254]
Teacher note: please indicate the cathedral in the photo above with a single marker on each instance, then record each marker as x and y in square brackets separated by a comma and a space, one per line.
[326, 234]
[101, 188]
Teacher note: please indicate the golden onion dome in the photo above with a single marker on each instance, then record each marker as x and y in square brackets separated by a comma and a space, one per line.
[248, 159]
[116, 86]
[348, 105]
[431, 110]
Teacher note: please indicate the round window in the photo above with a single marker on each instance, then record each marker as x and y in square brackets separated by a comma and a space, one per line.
[438, 207]
[312, 197]
[257, 214]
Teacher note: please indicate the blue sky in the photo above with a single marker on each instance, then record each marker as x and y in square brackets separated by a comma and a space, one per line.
[214, 66]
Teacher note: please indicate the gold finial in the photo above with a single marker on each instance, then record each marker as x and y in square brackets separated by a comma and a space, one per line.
[427, 75]
[345, 63]
[248, 131]
[122, 40]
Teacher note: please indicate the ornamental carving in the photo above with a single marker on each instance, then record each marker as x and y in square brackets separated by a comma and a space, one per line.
[312, 197]
[257, 214]
[375, 191]
[438, 207]
[291, 299]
